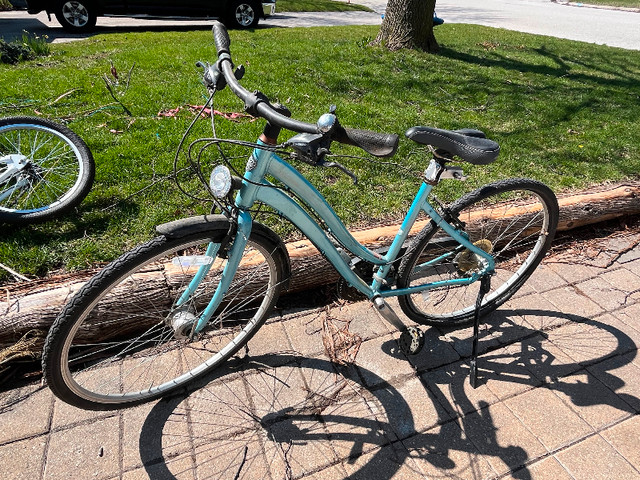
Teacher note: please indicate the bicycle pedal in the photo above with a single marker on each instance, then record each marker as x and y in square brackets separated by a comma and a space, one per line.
[411, 341]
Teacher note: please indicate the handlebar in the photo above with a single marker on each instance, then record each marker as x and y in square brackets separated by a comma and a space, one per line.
[257, 104]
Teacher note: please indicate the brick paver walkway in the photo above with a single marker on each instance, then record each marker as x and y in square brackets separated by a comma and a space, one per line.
[559, 397]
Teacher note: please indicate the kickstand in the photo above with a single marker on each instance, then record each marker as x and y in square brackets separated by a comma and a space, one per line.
[485, 286]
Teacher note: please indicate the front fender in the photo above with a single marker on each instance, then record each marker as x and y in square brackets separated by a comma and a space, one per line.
[210, 223]
[186, 226]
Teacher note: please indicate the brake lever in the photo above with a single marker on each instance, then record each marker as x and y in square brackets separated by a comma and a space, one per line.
[212, 77]
[341, 167]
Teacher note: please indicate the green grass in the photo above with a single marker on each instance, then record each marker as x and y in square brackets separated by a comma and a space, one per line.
[564, 112]
[317, 6]
[615, 3]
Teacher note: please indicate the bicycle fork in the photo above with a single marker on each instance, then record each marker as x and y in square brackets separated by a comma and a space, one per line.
[184, 323]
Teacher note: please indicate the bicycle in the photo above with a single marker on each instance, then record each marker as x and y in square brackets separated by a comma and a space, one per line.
[180, 305]
[45, 170]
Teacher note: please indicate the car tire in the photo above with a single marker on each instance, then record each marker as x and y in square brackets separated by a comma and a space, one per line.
[76, 15]
[243, 14]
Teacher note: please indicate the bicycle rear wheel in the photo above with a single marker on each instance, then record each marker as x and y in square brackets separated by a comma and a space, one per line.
[515, 220]
[45, 169]
[124, 337]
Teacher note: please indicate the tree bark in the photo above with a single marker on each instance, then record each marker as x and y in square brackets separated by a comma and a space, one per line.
[408, 24]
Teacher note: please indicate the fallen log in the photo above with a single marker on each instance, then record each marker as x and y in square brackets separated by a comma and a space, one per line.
[23, 310]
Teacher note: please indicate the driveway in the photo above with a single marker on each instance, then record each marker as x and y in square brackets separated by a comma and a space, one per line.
[12, 24]
[601, 26]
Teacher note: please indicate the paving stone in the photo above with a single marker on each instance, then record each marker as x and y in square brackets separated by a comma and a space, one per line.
[435, 352]
[603, 293]
[85, 451]
[30, 415]
[624, 438]
[546, 469]
[501, 438]
[380, 361]
[631, 255]
[450, 385]
[241, 456]
[623, 279]
[568, 301]
[544, 279]
[334, 472]
[622, 376]
[364, 320]
[548, 418]
[461, 338]
[574, 272]
[389, 462]
[174, 468]
[65, 415]
[630, 315]
[22, 460]
[357, 424]
[154, 431]
[504, 372]
[445, 452]
[421, 411]
[595, 459]
[270, 344]
[303, 442]
[537, 312]
[633, 266]
[620, 326]
[545, 360]
[507, 325]
[526, 289]
[272, 391]
[592, 400]
[587, 341]
[305, 332]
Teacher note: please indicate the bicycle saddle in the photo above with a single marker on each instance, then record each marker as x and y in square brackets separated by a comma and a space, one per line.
[470, 145]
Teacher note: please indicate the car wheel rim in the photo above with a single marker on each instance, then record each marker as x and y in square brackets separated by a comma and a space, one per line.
[75, 14]
[245, 15]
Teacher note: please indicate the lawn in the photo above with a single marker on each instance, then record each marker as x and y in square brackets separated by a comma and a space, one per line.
[564, 112]
[615, 3]
[317, 6]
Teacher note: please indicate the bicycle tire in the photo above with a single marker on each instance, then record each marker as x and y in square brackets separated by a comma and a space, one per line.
[137, 357]
[524, 209]
[56, 169]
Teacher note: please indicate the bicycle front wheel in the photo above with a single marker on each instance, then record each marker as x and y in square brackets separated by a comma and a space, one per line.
[515, 220]
[125, 338]
[45, 169]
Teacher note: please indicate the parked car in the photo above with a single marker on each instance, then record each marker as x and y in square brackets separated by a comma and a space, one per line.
[81, 15]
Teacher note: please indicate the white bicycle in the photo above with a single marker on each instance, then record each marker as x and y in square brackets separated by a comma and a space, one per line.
[45, 169]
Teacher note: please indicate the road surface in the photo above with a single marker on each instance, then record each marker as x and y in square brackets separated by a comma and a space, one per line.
[601, 26]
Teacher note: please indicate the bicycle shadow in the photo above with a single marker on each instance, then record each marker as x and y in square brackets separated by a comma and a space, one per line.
[571, 357]
[287, 415]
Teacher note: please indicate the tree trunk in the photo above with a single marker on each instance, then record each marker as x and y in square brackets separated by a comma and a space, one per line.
[408, 24]
[23, 310]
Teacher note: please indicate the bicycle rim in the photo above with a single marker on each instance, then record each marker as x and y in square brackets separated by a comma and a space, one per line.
[118, 343]
[513, 220]
[53, 168]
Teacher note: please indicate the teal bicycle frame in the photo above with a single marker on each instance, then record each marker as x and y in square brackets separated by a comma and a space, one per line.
[256, 188]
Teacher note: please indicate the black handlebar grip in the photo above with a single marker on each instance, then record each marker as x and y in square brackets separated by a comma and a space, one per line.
[221, 38]
[374, 143]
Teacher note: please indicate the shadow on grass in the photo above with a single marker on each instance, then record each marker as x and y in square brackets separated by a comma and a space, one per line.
[91, 217]
[610, 72]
